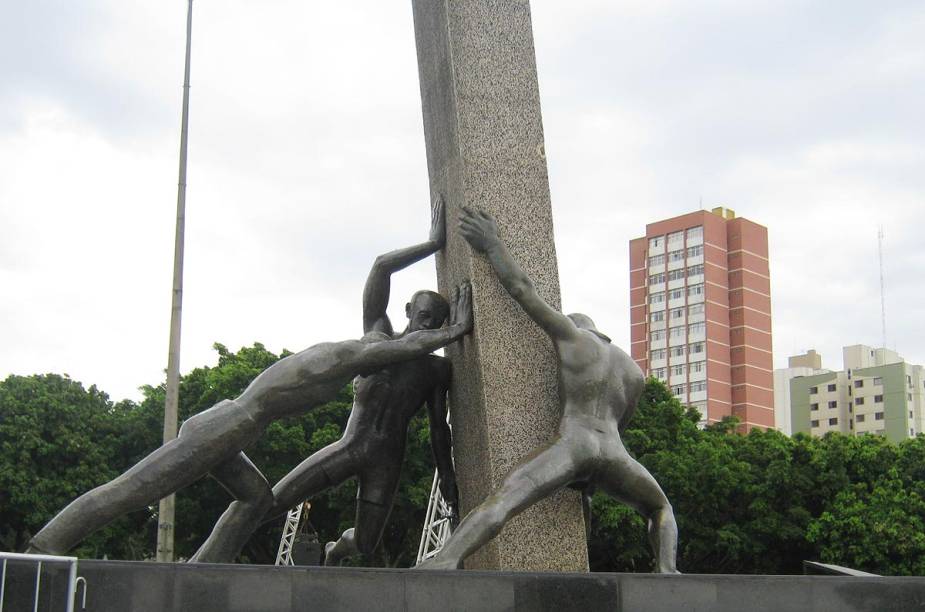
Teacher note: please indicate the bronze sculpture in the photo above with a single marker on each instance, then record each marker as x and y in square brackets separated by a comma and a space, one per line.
[211, 442]
[599, 386]
[373, 445]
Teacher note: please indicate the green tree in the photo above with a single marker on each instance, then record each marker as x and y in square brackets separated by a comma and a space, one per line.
[58, 440]
[756, 503]
[880, 529]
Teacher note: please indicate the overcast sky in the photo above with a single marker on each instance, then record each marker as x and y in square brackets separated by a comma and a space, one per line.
[307, 160]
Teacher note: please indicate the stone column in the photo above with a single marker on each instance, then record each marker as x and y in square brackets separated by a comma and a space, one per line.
[484, 137]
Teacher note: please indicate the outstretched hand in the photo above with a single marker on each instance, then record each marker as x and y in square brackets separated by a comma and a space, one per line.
[461, 306]
[478, 228]
[438, 222]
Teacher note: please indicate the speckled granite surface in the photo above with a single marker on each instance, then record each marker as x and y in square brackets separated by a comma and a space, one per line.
[484, 136]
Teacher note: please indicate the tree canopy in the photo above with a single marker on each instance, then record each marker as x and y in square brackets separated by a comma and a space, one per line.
[756, 503]
[763, 502]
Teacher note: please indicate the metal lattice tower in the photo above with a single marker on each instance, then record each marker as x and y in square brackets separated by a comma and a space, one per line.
[437, 525]
[293, 519]
[437, 528]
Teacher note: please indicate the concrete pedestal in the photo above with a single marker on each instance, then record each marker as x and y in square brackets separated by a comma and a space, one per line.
[163, 587]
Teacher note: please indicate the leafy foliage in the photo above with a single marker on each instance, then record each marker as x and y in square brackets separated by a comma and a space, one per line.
[763, 503]
[759, 503]
[58, 440]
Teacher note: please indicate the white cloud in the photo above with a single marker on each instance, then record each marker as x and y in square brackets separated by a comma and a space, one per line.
[307, 160]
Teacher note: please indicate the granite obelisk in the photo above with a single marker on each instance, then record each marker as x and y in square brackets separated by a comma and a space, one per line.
[484, 138]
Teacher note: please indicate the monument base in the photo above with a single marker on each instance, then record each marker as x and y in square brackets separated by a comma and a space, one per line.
[129, 586]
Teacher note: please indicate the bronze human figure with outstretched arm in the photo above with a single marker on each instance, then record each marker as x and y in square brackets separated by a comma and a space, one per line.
[372, 448]
[599, 386]
[211, 442]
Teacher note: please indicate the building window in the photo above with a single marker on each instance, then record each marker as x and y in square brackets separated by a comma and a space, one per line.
[657, 354]
[878, 380]
[700, 385]
[833, 421]
[908, 380]
[831, 388]
[697, 328]
[910, 414]
[657, 298]
[695, 251]
[695, 270]
[909, 396]
[677, 389]
[700, 407]
[677, 332]
[833, 404]
[660, 373]
[677, 351]
[677, 313]
[676, 294]
[695, 232]
[676, 255]
[676, 274]
[696, 347]
[859, 401]
[878, 416]
[677, 370]
[878, 399]
[814, 407]
[658, 315]
[694, 309]
[813, 390]
[658, 334]
[814, 423]
[695, 290]
[656, 260]
[656, 243]
[655, 279]
[697, 366]
[675, 237]
[858, 384]
[859, 418]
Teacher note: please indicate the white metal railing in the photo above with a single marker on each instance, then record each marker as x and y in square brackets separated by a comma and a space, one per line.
[72, 580]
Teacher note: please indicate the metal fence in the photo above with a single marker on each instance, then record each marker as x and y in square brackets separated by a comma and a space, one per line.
[39, 561]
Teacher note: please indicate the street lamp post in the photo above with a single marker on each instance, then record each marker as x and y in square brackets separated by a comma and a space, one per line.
[165, 515]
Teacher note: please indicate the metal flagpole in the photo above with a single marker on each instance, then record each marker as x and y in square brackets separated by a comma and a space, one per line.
[165, 515]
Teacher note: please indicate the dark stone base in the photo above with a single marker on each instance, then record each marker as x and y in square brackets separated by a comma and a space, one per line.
[127, 586]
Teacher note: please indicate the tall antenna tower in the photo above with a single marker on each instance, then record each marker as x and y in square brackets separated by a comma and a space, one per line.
[882, 291]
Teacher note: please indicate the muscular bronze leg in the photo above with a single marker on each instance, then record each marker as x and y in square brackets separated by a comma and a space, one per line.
[630, 482]
[541, 474]
[362, 539]
[253, 498]
[161, 473]
[375, 497]
[329, 467]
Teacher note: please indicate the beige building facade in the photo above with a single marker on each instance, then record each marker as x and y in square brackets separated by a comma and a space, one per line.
[877, 392]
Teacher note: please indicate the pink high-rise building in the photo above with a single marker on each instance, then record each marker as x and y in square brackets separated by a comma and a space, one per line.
[700, 313]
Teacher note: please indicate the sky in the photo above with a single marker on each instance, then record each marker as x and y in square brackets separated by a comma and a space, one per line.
[306, 160]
